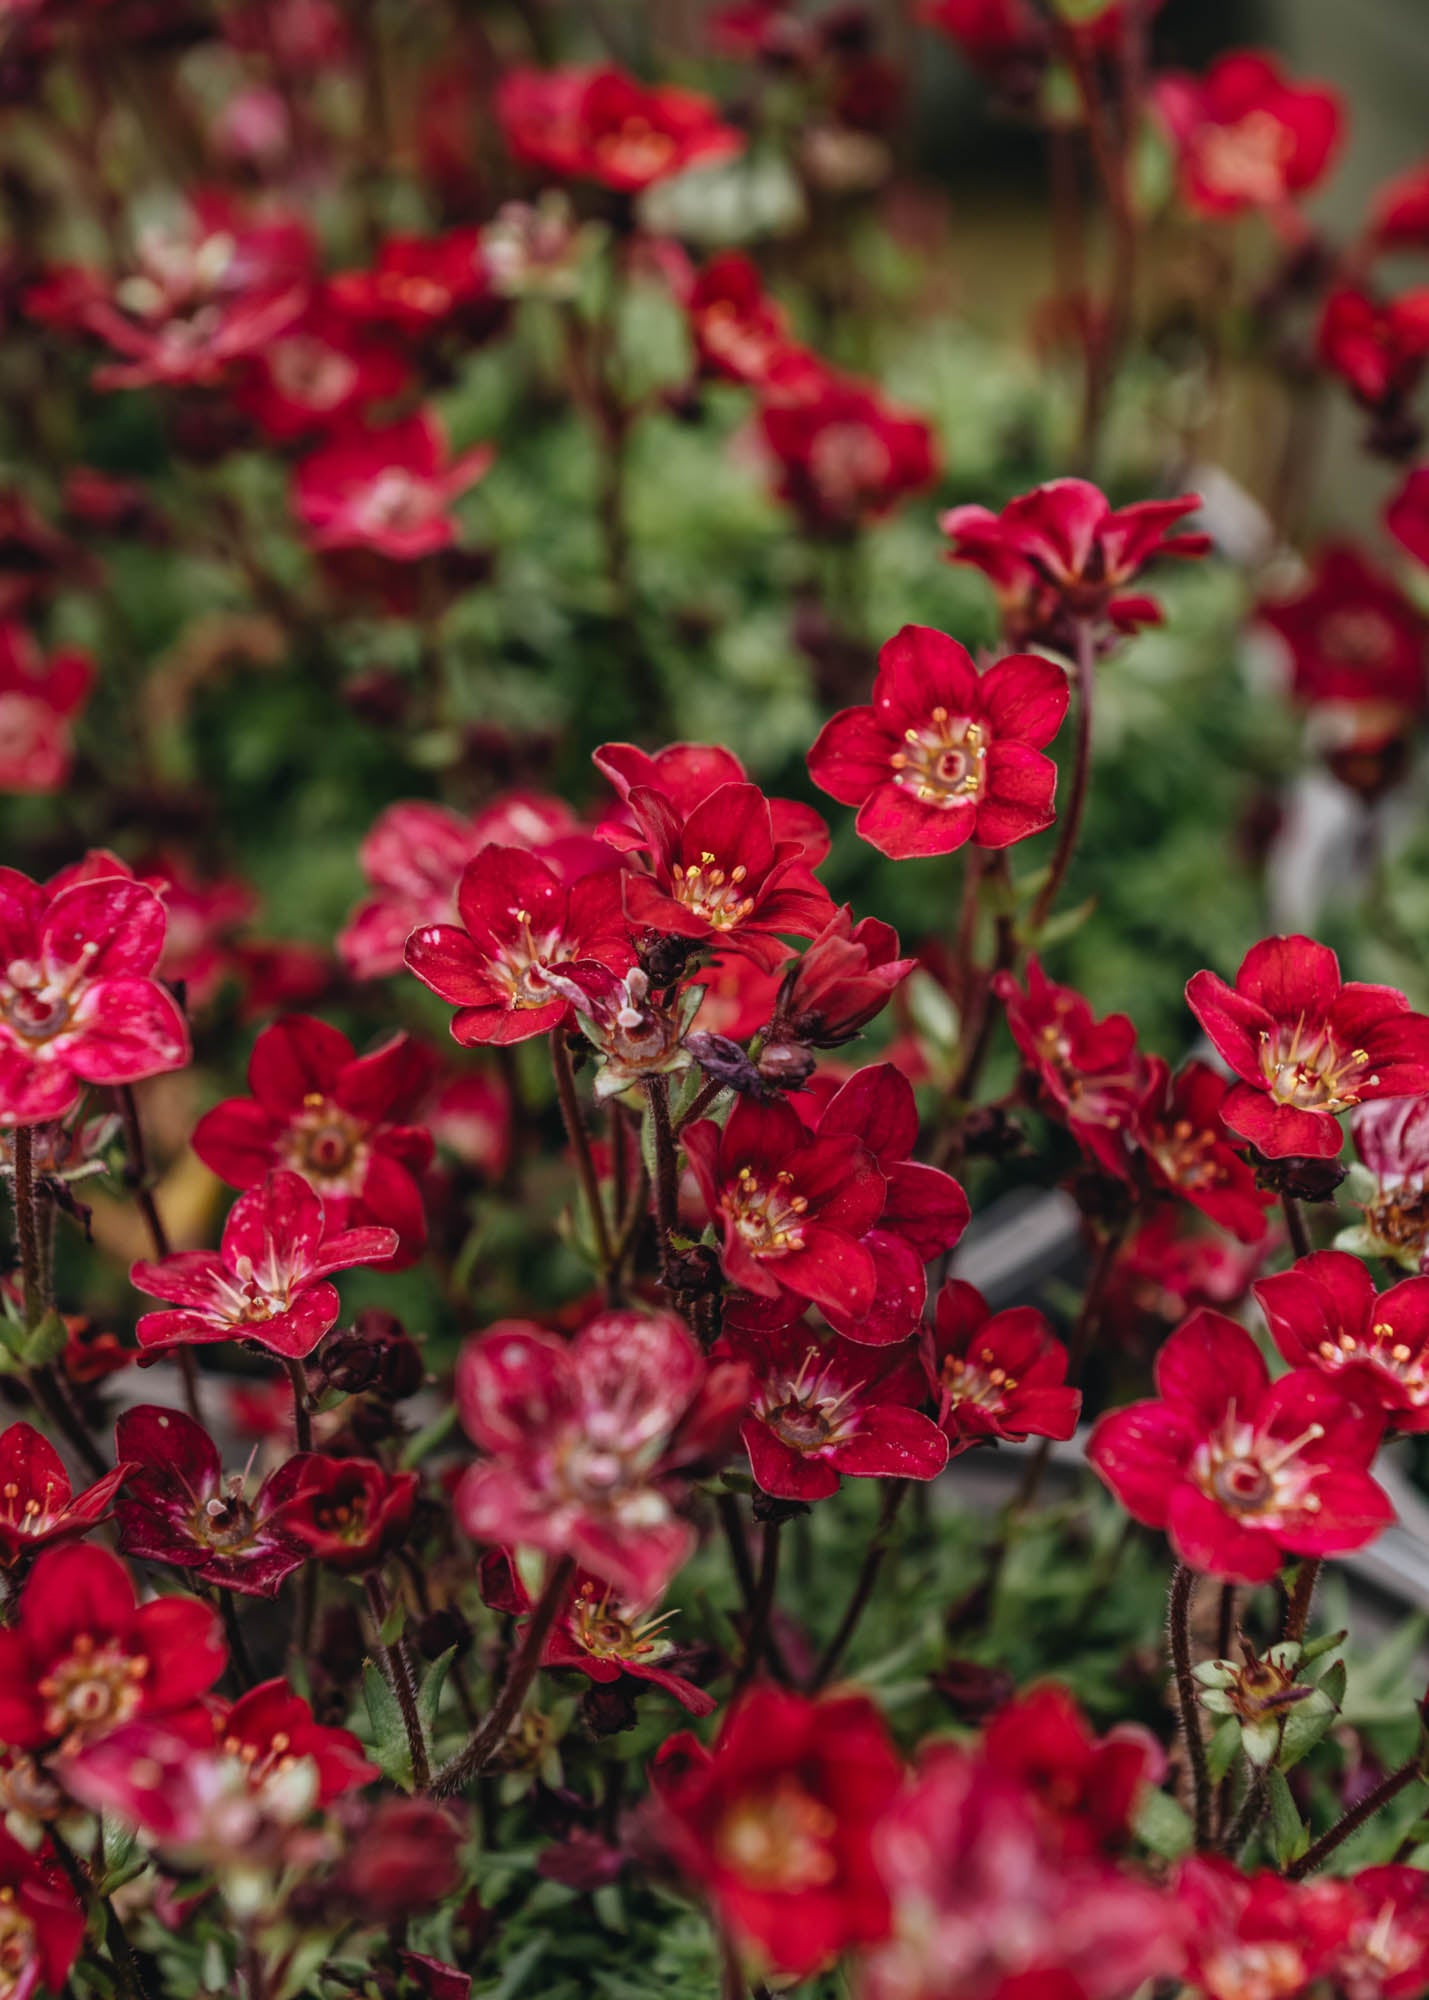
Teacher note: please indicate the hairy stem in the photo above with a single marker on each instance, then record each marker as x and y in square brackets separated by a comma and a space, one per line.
[1296, 1226]
[302, 1415]
[756, 1639]
[1183, 1582]
[1297, 1611]
[492, 1733]
[1387, 1789]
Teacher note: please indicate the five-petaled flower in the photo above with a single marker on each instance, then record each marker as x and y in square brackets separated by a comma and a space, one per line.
[42, 1922]
[78, 1000]
[602, 125]
[1351, 634]
[339, 1119]
[178, 1508]
[1241, 1471]
[720, 875]
[83, 1657]
[1245, 137]
[350, 1512]
[585, 1439]
[389, 490]
[792, 1208]
[944, 754]
[270, 1281]
[996, 1375]
[1062, 556]
[518, 919]
[1305, 1045]
[1186, 1152]
[844, 454]
[1325, 1313]
[1088, 1072]
[37, 1504]
[821, 1409]
[39, 700]
[776, 1823]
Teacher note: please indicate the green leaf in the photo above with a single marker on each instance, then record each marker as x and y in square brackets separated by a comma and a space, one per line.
[1163, 1826]
[389, 1734]
[394, 1624]
[44, 1343]
[1081, 11]
[1307, 1722]
[429, 1694]
[1222, 1748]
[1288, 1838]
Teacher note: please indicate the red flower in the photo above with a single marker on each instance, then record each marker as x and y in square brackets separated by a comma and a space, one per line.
[741, 334]
[1353, 636]
[584, 1439]
[720, 876]
[844, 454]
[825, 1409]
[924, 1210]
[405, 1858]
[419, 283]
[1379, 348]
[1001, 38]
[601, 125]
[324, 369]
[1407, 514]
[339, 1119]
[844, 978]
[83, 1657]
[1382, 1952]
[1392, 1139]
[387, 490]
[776, 1825]
[213, 290]
[349, 1512]
[792, 1207]
[1186, 1151]
[1238, 1470]
[1089, 1071]
[179, 1509]
[270, 1281]
[270, 1727]
[1245, 137]
[996, 1375]
[1399, 212]
[1063, 553]
[518, 919]
[37, 1503]
[1306, 1046]
[1325, 1314]
[945, 754]
[993, 1901]
[41, 1922]
[1168, 1267]
[597, 1633]
[201, 913]
[413, 860]
[39, 700]
[78, 1002]
[1088, 1785]
[1258, 1934]
[686, 774]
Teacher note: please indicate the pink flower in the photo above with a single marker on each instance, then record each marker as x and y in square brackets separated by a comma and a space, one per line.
[945, 754]
[585, 1440]
[996, 1375]
[1247, 138]
[268, 1283]
[1304, 1046]
[179, 1508]
[1088, 1071]
[388, 490]
[792, 1208]
[38, 1507]
[78, 1002]
[822, 1410]
[1324, 1313]
[1392, 1139]
[39, 700]
[341, 1120]
[1240, 1471]
[518, 920]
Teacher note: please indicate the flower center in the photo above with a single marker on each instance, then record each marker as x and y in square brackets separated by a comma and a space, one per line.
[1187, 1155]
[945, 763]
[22, 724]
[635, 150]
[325, 1144]
[768, 1217]
[95, 1686]
[1247, 159]
[848, 462]
[977, 1379]
[1247, 1472]
[310, 372]
[1270, 1971]
[1310, 1072]
[36, 1009]
[779, 1839]
[225, 1521]
[395, 500]
[1382, 1350]
[712, 892]
[597, 1627]
[17, 1944]
[1357, 637]
[28, 1516]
